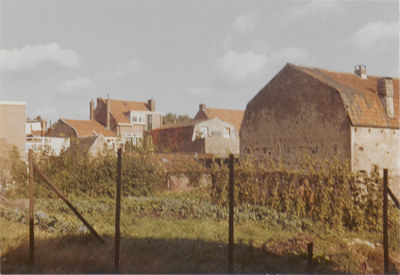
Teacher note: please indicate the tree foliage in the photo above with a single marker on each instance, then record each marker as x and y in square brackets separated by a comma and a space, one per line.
[330, 195]
[172, 118]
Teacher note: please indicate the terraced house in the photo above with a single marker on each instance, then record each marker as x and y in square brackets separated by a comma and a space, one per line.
[330, 114]
[129, 120]
[212, 131]
[72, 128]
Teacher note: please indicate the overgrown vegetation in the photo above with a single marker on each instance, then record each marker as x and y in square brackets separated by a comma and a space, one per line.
[331, 195]
[83, 175]
[173, 118]
[327, 202]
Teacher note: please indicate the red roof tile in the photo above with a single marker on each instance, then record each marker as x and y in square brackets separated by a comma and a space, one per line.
[119, 107]
[233, 117]
[86, 127]
[359, 95]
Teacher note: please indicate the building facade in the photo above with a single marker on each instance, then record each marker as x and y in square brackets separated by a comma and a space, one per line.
[210, 136]
[351, 116]
[12, 124]
[129, 120]
[71, 128]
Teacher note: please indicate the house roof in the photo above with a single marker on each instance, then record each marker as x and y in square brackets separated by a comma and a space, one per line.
[233, 117]
[359, 96]
[85, 143]
[88, 127]
[120, 107]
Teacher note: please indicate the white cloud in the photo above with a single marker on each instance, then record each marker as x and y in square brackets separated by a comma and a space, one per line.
[245, 22]
[235, 69]
[200, 91]
[75, 86]
[239, 67]
[31, 56]
[316, 7]
[287, 55]
[227, 42]
[132, 66]
[375, 34]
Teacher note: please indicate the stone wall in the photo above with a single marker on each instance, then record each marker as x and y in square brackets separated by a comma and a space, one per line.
[377, 146]
[215, 146]
[215, 128]
[62, 129]
[292, 114]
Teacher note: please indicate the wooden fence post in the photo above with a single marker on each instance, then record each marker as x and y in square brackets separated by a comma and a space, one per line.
[385, 221]
[231, 204]
[31, 210]
[118, 211]
[58, 192]
[310, 263]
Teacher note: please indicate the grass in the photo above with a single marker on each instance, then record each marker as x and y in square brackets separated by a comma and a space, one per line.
[183, 244]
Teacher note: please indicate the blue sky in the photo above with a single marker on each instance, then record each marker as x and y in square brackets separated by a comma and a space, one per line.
[58, 55]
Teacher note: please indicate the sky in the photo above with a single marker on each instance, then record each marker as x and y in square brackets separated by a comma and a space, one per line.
[58, 55]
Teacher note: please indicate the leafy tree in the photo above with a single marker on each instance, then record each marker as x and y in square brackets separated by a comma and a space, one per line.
[172, 118]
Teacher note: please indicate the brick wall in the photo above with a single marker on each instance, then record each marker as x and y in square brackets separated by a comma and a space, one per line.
[12, 124]
[63, 130]
[215, 146]
[292, 114]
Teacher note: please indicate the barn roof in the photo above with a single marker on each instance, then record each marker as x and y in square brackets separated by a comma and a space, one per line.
[359, 96]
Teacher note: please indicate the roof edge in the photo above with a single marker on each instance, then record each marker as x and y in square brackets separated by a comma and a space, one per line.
[76, 132]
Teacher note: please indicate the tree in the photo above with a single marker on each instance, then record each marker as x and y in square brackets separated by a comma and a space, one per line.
[172, 118]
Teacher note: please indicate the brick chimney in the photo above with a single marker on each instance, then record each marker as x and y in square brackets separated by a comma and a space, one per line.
[91, 110]
[44, 128]
[50, 131]
[361, 71]
[202, 107]
[108, 110]
[151, 105]
[385, 92]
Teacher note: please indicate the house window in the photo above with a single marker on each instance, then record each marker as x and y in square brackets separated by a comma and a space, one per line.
[138, 118]
[227, 132]
[129, 137]
[204, 131]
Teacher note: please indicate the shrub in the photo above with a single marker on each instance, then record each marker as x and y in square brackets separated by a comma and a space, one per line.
[328, 193]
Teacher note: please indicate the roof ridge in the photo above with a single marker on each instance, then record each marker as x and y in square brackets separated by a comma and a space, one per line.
[224, 109]
[333, 71]
[76, 131]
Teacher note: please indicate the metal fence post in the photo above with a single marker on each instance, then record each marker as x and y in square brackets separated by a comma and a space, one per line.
[231, 204]
[118, 211]
[31, 210]
[385, 221]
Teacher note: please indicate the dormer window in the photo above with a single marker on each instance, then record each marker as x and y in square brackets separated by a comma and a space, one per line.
[138, 118]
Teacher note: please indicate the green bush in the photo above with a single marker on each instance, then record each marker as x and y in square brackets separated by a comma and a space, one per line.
[78, 174]
[331, 194]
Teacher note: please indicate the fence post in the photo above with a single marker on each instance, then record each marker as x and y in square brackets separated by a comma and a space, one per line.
[118, 211]
[58, 192]
[31, 210]
[385, 221]
[310, 266]
[231, 204]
